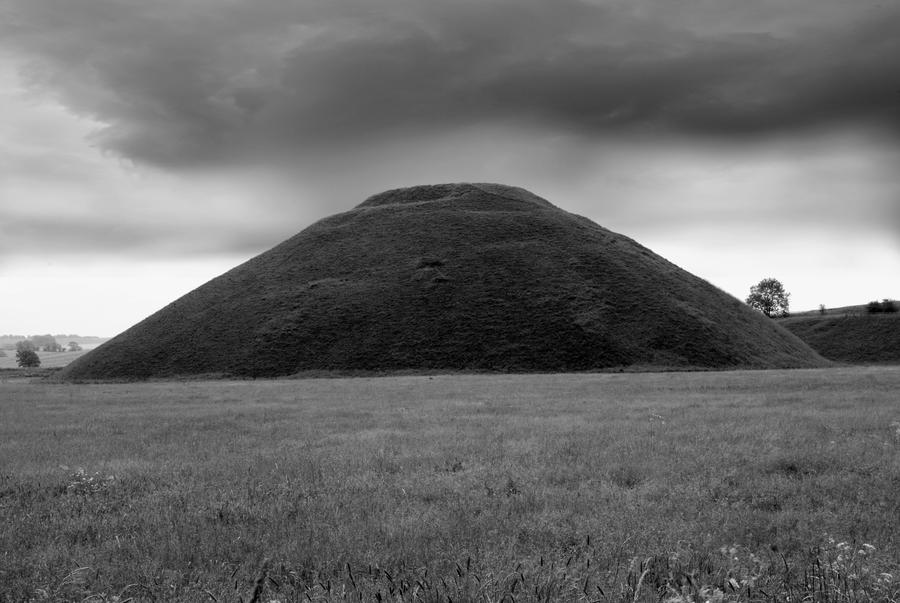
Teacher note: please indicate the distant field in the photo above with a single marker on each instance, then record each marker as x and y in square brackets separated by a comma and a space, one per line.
[857, 310]
[48, 359]
[767, 485]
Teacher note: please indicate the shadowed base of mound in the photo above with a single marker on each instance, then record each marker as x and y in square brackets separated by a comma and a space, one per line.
[461, 277]
[859, 339]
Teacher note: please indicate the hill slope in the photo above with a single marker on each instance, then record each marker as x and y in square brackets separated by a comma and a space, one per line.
[855, 339]
[455, 276]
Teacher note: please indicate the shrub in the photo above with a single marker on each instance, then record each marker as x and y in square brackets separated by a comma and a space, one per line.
[28, 359]
[886, 305]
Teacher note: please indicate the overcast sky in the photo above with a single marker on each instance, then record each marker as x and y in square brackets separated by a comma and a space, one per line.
[146, 147]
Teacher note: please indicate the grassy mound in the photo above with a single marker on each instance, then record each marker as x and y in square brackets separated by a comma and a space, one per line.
[857, 338]
[448, 277]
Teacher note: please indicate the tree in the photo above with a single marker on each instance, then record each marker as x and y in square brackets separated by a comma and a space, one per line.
[28, 358]
[47, 343]
[25, 345]
[769, 297]
[74, 347]
[886, 305]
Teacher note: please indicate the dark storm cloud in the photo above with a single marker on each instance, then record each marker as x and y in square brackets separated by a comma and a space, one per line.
[193, 82]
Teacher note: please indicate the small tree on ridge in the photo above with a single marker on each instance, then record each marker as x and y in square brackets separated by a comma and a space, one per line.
[769, 297]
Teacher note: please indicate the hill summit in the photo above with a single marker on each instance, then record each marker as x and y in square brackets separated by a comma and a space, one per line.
[448, 277]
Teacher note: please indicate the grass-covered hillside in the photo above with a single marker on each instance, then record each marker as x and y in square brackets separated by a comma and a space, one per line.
[855, 337]
[449, 277]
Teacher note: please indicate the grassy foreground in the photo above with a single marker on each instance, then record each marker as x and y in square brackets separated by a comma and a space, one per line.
[773, 485]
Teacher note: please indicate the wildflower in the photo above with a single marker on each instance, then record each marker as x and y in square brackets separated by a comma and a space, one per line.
[711, 595]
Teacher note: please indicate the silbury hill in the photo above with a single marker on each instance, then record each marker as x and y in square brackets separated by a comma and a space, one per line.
[460, 277]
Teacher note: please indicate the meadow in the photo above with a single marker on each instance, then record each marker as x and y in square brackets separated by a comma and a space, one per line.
[716, 486]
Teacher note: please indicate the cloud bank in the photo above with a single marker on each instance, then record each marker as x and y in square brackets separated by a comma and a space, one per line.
[193, 83]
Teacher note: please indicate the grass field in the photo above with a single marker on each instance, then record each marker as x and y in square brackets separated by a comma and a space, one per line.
[766, 485]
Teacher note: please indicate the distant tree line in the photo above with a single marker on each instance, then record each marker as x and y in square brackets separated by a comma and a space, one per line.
[46, 343]
[885, 305]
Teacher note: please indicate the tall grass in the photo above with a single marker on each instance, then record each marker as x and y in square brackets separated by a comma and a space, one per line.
[778, 485]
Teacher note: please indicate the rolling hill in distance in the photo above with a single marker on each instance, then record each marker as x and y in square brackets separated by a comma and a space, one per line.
[853, 337]
[460, 277]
